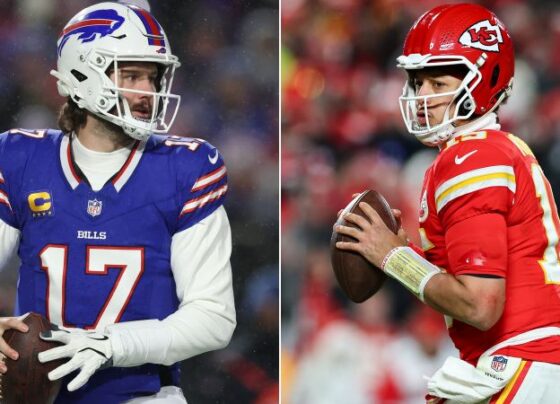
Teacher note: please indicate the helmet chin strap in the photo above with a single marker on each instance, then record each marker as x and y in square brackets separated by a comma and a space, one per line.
[441, 134]
[444, 133]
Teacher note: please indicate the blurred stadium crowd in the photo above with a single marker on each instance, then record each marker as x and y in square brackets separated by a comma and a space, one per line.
[229, 87]
[342, 132]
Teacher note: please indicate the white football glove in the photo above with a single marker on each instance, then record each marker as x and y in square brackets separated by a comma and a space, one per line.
[89, 351]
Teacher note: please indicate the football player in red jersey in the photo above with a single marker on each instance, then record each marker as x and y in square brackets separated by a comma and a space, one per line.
[488, 221]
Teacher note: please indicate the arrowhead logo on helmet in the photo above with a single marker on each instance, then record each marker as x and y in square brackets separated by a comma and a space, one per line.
[483, 35]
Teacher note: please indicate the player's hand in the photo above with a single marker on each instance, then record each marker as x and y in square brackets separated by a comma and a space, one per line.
[89, 351]
[374, 238]
[7, 323]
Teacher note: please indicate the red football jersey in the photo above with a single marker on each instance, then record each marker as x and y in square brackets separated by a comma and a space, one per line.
[488, 173]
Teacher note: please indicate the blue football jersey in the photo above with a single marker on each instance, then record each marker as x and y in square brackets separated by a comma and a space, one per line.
[93, 258]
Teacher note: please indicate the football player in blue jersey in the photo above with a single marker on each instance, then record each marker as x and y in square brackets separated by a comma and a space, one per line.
[123, 238]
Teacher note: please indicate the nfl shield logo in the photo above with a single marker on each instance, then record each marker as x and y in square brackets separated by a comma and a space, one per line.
[499, 363]
[94, 207]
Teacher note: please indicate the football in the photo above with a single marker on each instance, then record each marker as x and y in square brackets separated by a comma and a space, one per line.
[356, 276]
[26, 379]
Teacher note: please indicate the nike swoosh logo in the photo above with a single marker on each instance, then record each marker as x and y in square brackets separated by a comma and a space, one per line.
[214, 159]
[460, 160]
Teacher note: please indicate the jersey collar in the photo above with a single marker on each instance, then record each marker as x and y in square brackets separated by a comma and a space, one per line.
[75, 177]
[485, 122]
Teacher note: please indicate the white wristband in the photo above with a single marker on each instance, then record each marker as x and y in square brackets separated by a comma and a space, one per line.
[409, 268]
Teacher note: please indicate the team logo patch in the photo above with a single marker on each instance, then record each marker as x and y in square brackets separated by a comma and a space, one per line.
[499, 363]
[94, 207]
[41, 204]
[483, 35]
[97, 24]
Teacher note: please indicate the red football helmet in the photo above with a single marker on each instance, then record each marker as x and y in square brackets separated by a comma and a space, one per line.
[465, 35]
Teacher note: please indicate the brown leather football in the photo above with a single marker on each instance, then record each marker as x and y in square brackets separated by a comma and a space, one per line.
[26, 380]
[356, 276]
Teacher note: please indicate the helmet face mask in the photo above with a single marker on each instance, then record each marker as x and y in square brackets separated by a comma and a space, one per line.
[466, 36]
[461, 103]
[114, 106]
[99, 40]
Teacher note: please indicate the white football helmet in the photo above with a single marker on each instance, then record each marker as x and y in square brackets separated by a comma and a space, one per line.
[95, 41]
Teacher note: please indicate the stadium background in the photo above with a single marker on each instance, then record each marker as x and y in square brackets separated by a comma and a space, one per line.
[229, 84]
[342, 132]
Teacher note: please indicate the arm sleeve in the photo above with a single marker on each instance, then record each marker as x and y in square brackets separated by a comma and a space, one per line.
[475, 187]
[202, 185]
[205, 320]
[9, 239]
[478, 245]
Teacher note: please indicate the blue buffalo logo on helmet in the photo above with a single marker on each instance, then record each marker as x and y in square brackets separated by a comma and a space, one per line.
[98, 23]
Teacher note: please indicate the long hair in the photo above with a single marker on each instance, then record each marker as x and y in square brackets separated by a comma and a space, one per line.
[71, 117]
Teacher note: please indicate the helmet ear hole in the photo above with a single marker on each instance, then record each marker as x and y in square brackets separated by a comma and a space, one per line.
[79, 76]
[495, 76]
[466, 106]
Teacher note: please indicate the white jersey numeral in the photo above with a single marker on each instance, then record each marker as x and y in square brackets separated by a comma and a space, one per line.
[54, 260]
[99, 259]
[550, 261]
[191, 144]
[37, 134]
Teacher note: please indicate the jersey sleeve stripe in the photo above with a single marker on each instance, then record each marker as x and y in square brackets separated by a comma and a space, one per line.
[475, 180]
[473, 173]
[209, 179]
[1, 178]
[199, 202]
[4, 199]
